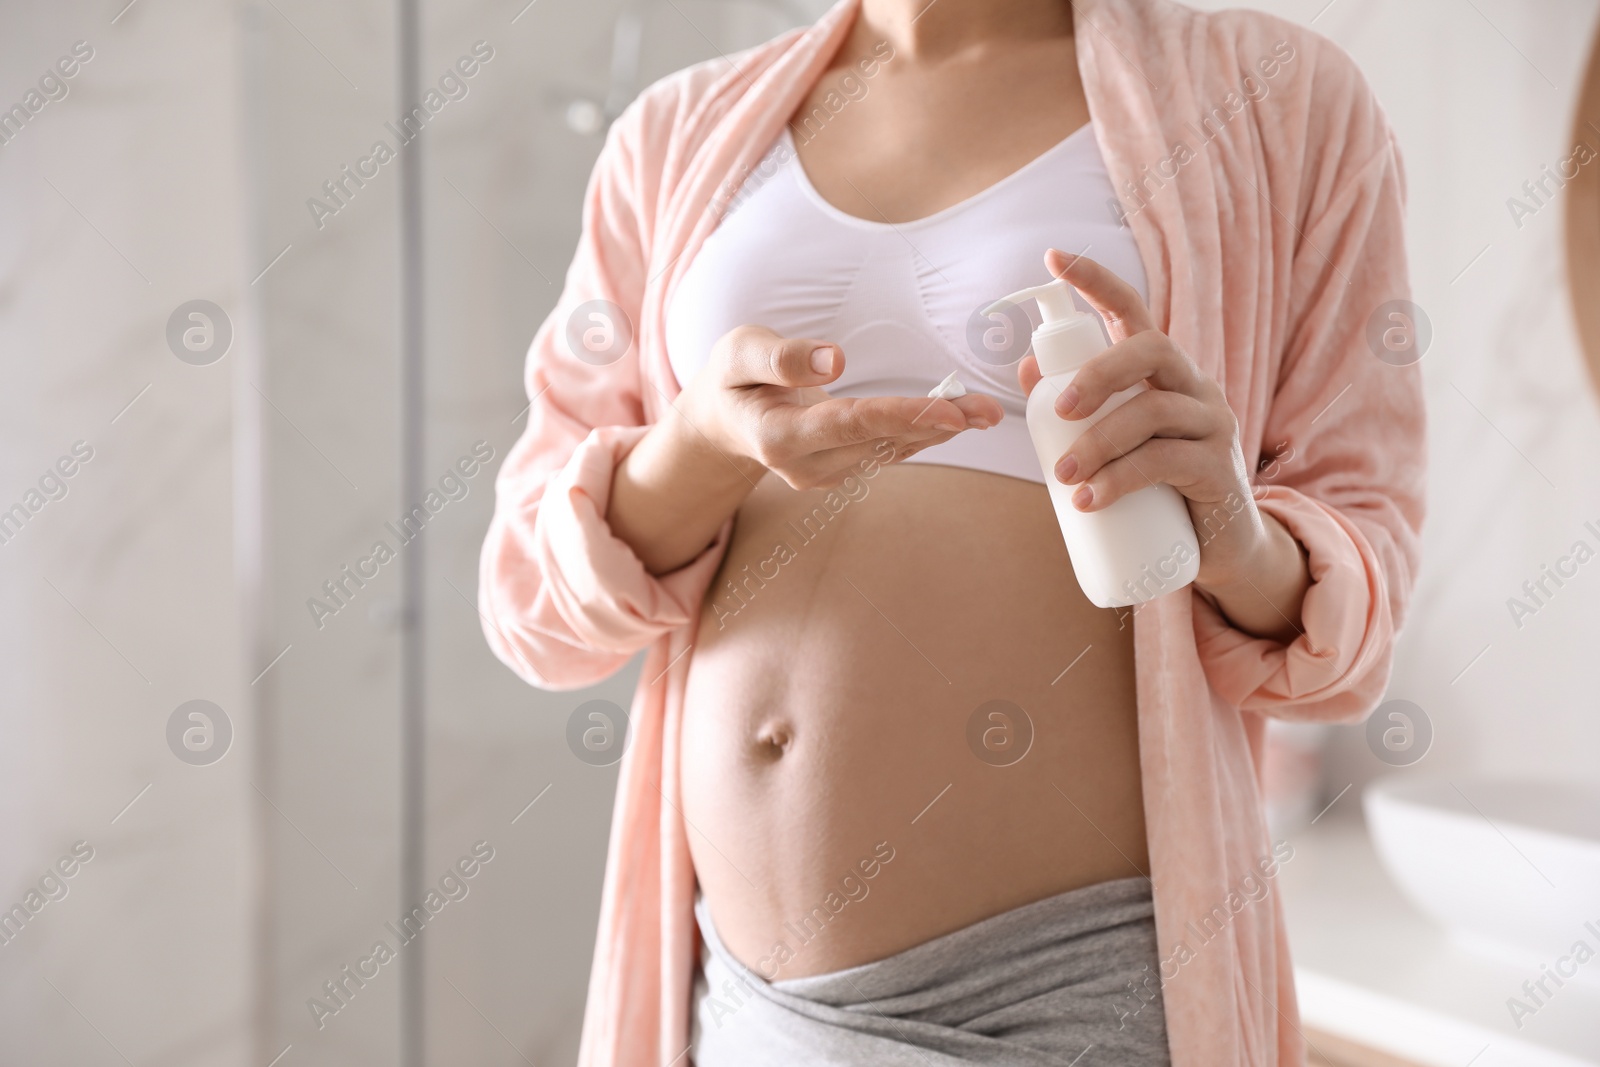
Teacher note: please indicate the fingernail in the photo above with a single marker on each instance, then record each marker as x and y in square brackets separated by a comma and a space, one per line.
[981, 422]
[947, 427]
[822, 359]
[1067, 468]
[1083, 497]
[1069, 398]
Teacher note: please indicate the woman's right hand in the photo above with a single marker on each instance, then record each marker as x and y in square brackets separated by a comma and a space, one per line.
[759, 401]
[758, 405]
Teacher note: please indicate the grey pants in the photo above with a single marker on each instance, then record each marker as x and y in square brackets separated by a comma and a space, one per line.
[1068, 980]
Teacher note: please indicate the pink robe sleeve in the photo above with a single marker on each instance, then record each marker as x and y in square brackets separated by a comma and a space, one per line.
[564, 603]
[1347, 430]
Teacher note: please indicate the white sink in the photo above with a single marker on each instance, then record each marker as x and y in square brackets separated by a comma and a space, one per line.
[1511, 868]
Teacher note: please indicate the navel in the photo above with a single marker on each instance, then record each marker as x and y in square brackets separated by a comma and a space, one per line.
[773, 740]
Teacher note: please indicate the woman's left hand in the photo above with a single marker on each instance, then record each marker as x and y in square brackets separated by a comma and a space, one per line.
[1180, 431]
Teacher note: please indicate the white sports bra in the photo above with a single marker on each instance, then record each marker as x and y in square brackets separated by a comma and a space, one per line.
[902, 300]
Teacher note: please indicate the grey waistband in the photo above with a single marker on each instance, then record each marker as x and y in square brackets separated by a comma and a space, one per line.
[1068, 979]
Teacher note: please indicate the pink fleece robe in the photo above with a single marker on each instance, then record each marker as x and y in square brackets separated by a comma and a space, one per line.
[1264, 191]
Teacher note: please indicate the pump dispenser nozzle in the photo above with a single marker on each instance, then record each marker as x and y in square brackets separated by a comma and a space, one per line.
[1055, 301]
[1066, 338]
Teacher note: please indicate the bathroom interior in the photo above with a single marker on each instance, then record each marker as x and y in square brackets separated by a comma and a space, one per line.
[357, 351]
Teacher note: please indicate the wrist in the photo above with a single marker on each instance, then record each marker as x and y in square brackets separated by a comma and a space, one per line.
[1260, 586]
[693, 435]
[672, 492]
[1236, 554]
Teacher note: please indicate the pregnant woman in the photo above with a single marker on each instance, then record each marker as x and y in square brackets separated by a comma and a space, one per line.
[896, 792]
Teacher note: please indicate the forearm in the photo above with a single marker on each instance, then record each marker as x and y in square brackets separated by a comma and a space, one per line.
[672, 493]
[1264, 596]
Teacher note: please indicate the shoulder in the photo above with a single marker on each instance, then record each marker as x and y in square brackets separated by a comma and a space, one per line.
[1268, 95]
[1305, 90]
[673, 116]
[1243, 34]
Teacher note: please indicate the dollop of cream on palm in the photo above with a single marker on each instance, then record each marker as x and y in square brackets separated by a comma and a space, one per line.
[948, 389]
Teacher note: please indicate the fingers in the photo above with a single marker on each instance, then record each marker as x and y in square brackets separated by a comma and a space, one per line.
[1117, 302]
[1028, 374]
[1151, 414]
[1145, 357]
[981, 411]
[1178, 463]
[754, 355]
[789, 431]
[825, 470]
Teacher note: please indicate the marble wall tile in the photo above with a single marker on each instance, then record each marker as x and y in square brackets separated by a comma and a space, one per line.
[118, 601]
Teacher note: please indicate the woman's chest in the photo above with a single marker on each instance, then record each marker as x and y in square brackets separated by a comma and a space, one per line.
[785, 257]
[904, 302]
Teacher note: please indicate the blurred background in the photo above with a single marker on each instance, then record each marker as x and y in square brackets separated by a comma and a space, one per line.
[238, 345]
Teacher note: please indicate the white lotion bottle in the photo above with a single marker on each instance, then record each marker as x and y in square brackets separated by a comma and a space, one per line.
[1143, 545]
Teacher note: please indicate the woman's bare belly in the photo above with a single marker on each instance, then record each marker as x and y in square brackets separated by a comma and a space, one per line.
[840, 809]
